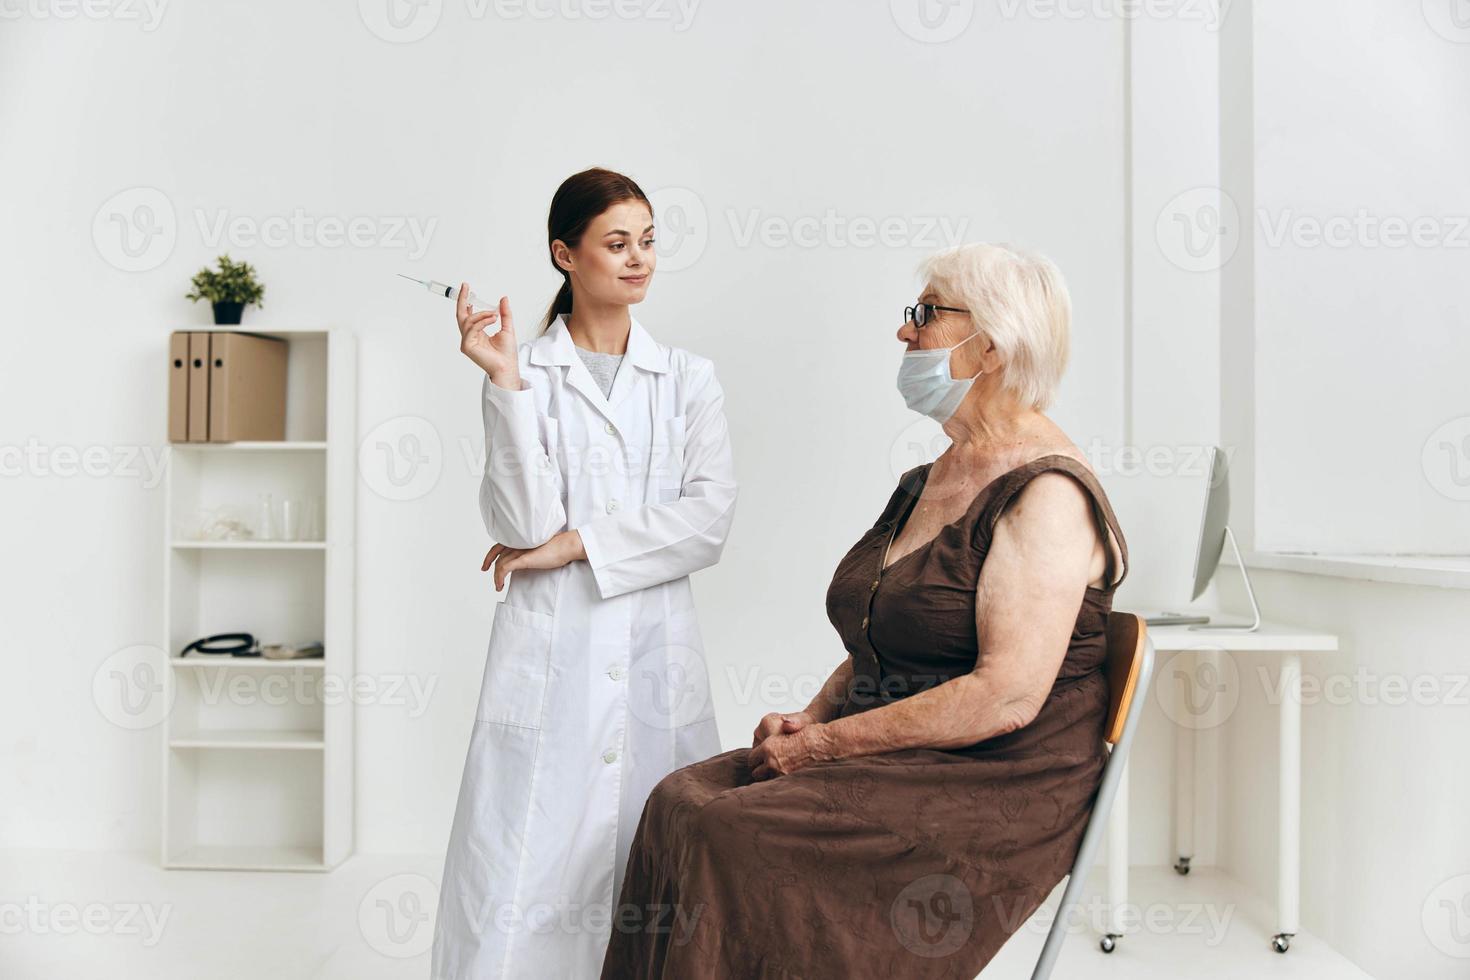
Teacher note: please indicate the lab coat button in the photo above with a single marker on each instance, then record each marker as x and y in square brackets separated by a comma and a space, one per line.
[616, 672]
[609, 757]
[612, 505]
[610, 429]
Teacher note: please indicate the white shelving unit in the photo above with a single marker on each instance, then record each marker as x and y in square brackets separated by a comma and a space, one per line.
[257, 754]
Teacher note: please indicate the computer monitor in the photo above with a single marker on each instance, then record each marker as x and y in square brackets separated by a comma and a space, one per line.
[1214, 533]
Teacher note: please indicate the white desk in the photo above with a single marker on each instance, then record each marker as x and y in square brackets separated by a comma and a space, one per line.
[1183, 657]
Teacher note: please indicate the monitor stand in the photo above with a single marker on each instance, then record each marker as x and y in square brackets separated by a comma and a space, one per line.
[1255, 622]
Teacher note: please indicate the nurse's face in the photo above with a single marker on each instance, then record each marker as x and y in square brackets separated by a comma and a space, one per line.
[614, 262]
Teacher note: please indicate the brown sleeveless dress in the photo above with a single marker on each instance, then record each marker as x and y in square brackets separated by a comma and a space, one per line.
[914, 863]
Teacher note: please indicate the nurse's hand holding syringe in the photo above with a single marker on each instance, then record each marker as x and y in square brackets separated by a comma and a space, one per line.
[496, 353]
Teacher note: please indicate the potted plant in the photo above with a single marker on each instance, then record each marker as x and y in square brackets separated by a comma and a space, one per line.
[229, 289]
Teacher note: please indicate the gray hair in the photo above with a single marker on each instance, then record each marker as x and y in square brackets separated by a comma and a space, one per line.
[1019, 300]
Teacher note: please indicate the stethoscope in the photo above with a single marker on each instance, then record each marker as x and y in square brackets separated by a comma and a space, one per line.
[233, 644]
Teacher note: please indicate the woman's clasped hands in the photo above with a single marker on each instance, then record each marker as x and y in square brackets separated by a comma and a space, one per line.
[786, 742]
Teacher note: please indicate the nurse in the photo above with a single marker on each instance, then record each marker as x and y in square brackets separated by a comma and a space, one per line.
[608, 481]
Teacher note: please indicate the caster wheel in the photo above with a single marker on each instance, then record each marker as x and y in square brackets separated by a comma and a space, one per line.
[1108, 943]
[1281, 942]
[1182, 866]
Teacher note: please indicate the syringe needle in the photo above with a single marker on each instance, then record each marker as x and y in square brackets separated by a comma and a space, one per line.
[445, 290]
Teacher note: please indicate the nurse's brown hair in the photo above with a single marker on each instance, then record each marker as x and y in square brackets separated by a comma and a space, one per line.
[579, 199]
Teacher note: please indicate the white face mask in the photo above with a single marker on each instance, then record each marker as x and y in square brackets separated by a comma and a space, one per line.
[925, 383]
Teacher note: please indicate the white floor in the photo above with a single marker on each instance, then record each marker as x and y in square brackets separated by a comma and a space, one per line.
[82, 915]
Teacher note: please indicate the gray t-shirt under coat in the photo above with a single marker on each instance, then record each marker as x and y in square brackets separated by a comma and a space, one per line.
[602, 367]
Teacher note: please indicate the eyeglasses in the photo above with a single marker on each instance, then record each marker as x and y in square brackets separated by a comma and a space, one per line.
[924, 312]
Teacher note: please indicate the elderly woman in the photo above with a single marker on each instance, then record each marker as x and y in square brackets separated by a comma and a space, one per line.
[929, 798]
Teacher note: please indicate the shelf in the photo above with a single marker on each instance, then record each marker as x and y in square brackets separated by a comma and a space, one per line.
[228, 858]
[247, 663]
[257, 759]
[283, 446]
[240, 738]
[250, 545]
[1437, 571]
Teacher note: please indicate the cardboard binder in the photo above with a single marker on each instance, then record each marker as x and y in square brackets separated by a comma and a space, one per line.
[178, 387]
[247, 387]
[198, 425]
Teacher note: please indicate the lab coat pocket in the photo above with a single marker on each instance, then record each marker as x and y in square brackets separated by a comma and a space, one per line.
[516, 667]
[667, 469]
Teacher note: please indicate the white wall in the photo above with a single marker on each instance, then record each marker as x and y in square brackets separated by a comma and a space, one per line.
[1013, 130]
[1361, 225]
[1337, 364]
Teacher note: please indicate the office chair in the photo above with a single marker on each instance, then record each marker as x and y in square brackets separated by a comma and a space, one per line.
[1130, 664]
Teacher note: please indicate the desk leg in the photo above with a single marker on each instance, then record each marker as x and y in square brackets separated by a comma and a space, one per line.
[1117, 862]
[1186, 662]
[1288, 885]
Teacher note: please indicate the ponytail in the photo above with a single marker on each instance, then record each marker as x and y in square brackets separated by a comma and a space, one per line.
[562, 303]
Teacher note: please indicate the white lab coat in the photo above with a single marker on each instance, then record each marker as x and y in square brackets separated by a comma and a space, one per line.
[595, 685]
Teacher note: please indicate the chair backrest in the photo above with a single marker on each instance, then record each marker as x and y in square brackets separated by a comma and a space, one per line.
[1129, 666]
[1126, 636]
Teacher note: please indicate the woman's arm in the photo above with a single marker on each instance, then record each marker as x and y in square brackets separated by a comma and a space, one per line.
[829, 700]
[520, 492]
[1030, 590]
[655, 543]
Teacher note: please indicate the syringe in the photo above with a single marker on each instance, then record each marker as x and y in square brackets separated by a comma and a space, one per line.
[451, 292]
